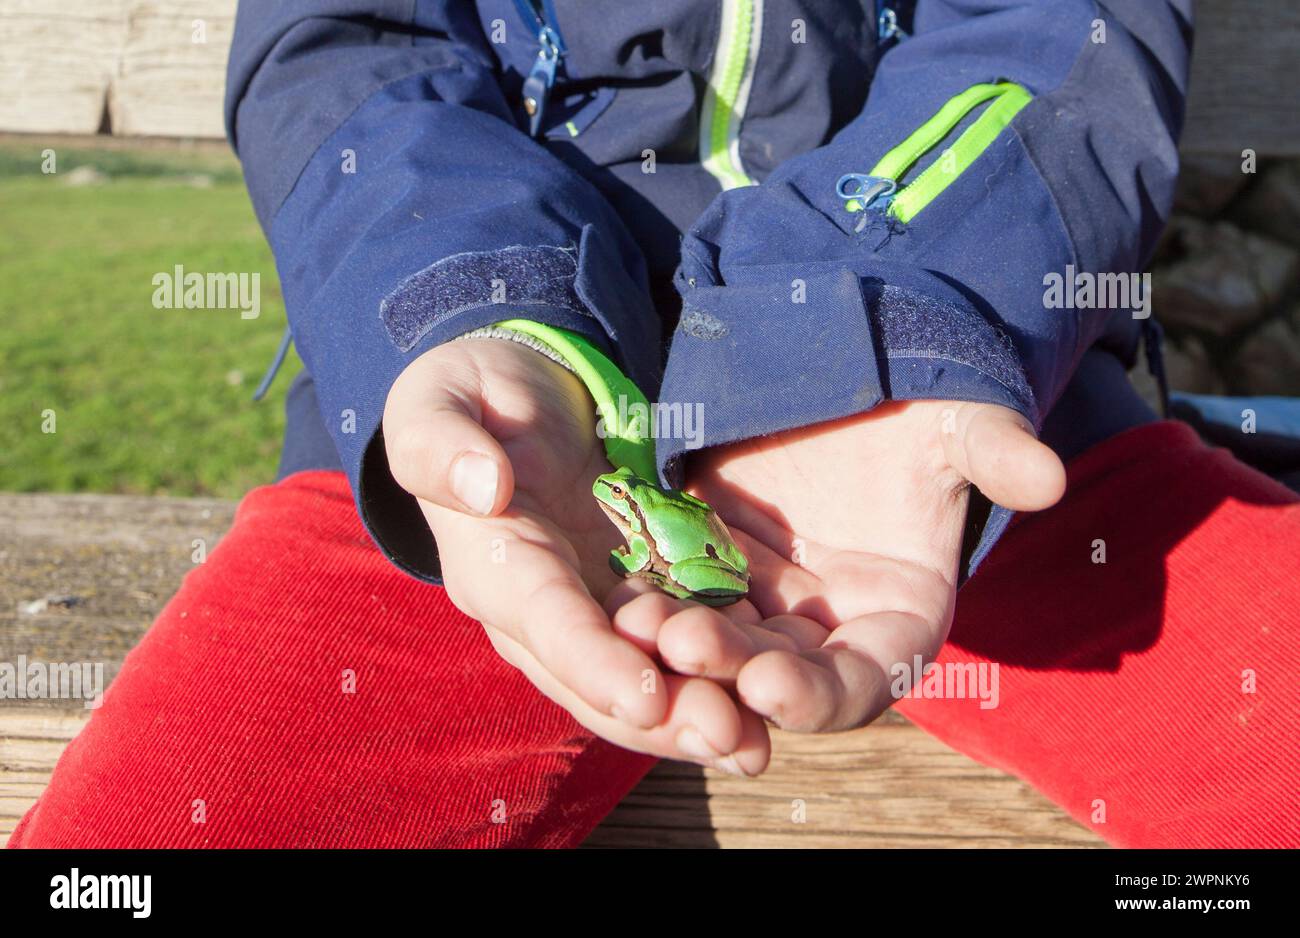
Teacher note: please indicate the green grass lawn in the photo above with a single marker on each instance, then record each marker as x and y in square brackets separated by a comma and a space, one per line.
[150, 401]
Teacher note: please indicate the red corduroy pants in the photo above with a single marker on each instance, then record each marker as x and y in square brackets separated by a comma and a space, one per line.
[300, 692]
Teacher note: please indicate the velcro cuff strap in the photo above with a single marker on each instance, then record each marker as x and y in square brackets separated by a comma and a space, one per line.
[623, 408]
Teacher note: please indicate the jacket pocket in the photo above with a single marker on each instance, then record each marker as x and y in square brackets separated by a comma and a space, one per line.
[879, 190]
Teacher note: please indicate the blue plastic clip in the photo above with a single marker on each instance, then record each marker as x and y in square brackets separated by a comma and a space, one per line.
[863, 192]
[887, 26]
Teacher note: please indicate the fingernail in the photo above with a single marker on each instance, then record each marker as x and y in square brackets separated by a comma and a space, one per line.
[690, 741]
[730, 765]
[474, 482]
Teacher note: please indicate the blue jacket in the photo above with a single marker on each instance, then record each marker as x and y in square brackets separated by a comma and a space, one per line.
[784, 210]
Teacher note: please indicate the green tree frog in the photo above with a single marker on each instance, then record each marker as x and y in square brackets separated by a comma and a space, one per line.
[674, 540]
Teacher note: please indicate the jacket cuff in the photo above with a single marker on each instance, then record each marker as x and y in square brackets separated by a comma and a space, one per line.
[795, 345]
[580, 288]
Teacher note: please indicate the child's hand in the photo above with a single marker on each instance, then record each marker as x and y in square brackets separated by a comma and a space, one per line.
[499, 446]
[854, 531]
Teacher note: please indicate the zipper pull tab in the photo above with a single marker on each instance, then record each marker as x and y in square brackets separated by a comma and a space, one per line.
[537, 86]
[887, 26]
[862, 192]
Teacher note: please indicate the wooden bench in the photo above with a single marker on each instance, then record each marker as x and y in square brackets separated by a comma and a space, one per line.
[110, 562]
[157, 68]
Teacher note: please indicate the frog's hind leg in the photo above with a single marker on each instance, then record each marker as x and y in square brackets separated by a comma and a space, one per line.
[663, 583]
[709, 581]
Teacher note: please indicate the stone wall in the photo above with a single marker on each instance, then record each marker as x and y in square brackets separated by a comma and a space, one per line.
[1226, 278]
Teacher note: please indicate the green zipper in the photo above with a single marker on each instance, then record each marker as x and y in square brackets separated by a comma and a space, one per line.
[906, 203]
[727, 94]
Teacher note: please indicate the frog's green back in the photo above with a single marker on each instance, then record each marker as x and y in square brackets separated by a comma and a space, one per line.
[727, 548]
[670, 514]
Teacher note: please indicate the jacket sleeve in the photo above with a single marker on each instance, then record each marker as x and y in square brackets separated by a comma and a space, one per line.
[405, 207]
[799, 310]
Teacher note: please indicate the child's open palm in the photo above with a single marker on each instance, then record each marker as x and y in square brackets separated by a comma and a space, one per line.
[499, 446]
[854, 530]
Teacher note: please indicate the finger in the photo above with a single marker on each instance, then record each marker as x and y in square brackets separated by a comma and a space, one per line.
[701, 642]
[803, 631]
[995, 449]
[702, 723]
[436, 445]
[734, 740]
[755, 749]
[523, 580]
[638, 611]
[742, 612]
[632, 588]
[844, 684]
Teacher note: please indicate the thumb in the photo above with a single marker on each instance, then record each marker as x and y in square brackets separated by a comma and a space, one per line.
[996, 450]
[437, 447]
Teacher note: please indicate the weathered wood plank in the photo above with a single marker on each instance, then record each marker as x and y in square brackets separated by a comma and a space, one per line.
[63, 59]
[107, 562]
[889, 785]
[31, 742]
[1243, 92]
[172, 74]
[57, 60]
[122, 557]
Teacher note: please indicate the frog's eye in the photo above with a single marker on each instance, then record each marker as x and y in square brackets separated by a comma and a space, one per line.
[617, 491]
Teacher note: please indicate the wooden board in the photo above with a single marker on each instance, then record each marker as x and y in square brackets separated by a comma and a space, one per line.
[67, 64]
[57, 60]
[31, 741]
[67, 59]
[118, 558]
[889, 785]
[169, 83]
[1243, 91]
